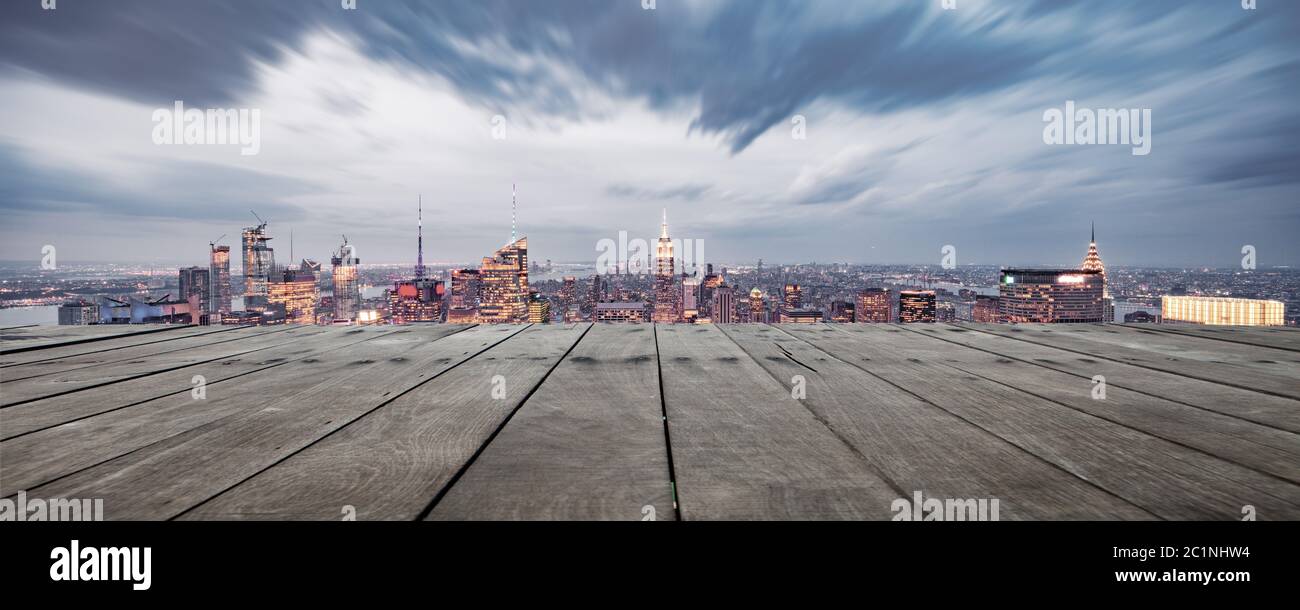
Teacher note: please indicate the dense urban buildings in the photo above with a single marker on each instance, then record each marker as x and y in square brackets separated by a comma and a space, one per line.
[1222, 311]
[1051, 296]
[916, 306]
[465, 288]
[724, 306]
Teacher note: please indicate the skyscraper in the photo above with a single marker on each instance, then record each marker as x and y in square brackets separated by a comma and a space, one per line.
[793, 297]
[1051, 295]
[298, 291]
[916, 306]
[347, 292]
[724, 307]
[874, 306]
[465, 288]
[259, 264]
[196, 282]
[595, 295]
[504, 288]
[419, 238]
[1092, 262]
[416, 300]
[568, 292]
[219, 278]
[539, 309]
[665, 311]
[757, 310]
[690, 299]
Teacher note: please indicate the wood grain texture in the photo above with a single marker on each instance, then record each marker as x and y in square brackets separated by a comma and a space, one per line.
[390, 464]
[101, 453]
[1049, 418]
[96, 376]
[745, 448]
[1222, 363]
[919, 446]
[1279, 337]
[587, 445]
[32, 338]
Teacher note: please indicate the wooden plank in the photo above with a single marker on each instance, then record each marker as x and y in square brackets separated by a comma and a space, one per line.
[38, 415]
[152, 352]
[744, 448]
[390, 464]
[1264, 409]
[112, 435]
[1256, 446]
[919, 446]
[1188, 346]
[1151, 350]
[587, 445]
[1278, 337]
[65, 336]
[1167, 479]
[94, 377]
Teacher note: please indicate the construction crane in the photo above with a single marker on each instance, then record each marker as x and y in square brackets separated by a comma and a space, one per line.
[259, 219]
[213, 243]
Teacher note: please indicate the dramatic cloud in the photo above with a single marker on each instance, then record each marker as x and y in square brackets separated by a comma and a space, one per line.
[923, 125]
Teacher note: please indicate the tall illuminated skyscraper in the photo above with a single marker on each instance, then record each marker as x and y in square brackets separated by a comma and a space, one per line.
[465, 289]
[219, 277]
[1092, 262]
[504, 285]
[347, 292]
[757, 310]
[259, 263]
[793, 297]
[665, 311]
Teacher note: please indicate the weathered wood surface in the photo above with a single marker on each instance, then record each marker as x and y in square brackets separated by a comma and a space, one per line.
[95, 376]
[1056, 419]
[24, 339]
[923, 446]
[745, 448]
[1218, 362]
[402, 423]
[587, 445]
[392, 463]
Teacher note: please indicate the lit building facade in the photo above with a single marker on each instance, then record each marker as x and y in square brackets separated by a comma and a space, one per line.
[504, 285]
[297, 291]
[985, 309]
[793, 297]
[1067, 296]
[916, 306]
[724, 305]
[539, 309]
[757, 308]
[631, 311]
[690, 299]
[347, 290]
[1222, 311]
[665, 308]
[463, 305]
[417, 300]
[259, 264]
[874, 305]
[219, 276]
[842, 312]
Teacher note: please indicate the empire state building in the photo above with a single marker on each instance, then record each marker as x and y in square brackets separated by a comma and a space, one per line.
[665, 310]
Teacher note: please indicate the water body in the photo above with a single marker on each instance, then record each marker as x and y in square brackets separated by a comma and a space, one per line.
[22, 316]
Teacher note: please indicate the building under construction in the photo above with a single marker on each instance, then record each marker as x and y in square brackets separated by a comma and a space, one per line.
[259, 264]
[347, 293]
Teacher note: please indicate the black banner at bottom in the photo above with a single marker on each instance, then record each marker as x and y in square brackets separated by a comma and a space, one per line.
[307, 560]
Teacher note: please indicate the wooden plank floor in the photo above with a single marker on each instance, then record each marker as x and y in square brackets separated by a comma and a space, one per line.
[665, 422]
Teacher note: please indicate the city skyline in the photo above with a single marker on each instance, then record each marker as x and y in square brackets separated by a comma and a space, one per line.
[920, 128]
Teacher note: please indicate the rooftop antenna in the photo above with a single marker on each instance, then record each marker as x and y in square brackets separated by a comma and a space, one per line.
[419, 258]
[514, 206]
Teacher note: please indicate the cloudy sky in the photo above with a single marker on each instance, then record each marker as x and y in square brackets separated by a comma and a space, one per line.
[924, 127]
